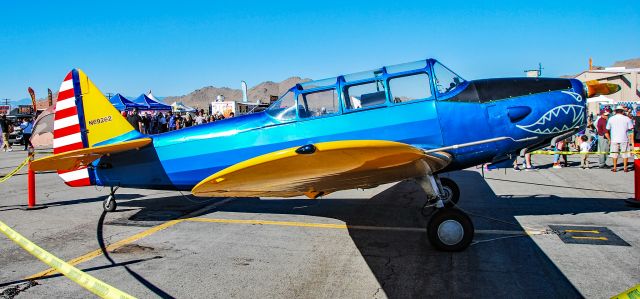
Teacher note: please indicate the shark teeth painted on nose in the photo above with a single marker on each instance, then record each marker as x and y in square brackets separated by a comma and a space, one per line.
[576, 96]
[558, 115]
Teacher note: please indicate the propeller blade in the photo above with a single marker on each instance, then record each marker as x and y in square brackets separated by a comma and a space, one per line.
[594, 88]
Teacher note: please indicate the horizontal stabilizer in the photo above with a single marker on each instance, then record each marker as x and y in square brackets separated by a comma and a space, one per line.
[84, 156]
[318, 169]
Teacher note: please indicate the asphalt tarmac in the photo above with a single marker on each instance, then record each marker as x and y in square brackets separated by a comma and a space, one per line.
[351, 244]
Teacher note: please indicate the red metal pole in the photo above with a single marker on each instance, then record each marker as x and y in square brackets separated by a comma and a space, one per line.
[636, 175]
[635, 201]
[31, 178]
[31, 184]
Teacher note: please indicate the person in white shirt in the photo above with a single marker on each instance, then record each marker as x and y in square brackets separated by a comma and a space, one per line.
[585, 147]
[199, 118]
[618, 127]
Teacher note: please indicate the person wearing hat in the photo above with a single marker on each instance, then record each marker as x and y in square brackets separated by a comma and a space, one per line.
[603, 139]
[618, 127]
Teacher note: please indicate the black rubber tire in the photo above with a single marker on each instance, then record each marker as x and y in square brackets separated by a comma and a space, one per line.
[457, 216]
[109, 204]
[452, 188]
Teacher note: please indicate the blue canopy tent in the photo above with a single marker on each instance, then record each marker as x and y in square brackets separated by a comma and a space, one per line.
[121, 103]
[150, 104]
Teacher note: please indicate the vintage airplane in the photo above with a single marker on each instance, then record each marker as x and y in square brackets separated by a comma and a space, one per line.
[409, 121]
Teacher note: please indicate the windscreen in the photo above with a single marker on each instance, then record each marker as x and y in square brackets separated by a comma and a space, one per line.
[446, 80]
[283, 109]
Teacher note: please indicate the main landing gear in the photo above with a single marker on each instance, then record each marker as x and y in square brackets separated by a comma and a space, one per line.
[449, 228]
[109, 204]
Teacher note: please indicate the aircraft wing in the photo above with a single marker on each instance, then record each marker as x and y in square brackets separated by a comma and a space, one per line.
[83, 157]
[322, 168]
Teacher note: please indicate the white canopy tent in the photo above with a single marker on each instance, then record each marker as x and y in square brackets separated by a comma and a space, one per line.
[179, 107]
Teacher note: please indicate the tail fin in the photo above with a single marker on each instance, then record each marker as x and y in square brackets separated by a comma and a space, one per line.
[85, 118]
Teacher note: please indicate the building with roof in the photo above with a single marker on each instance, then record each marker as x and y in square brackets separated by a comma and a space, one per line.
[627, 78]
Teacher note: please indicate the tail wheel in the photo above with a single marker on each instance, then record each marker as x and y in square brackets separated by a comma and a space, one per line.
[109, 204]
[450, 191]
[450, 229]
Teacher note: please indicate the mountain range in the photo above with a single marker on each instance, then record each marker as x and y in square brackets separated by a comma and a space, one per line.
[200, 98]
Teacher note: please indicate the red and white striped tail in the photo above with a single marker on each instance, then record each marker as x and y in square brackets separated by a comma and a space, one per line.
[67, 134]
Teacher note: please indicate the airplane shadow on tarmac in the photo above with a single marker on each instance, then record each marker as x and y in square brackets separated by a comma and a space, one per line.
[72, 202]
[404, 263]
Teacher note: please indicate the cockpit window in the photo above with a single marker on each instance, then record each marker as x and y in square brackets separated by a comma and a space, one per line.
[409, 88]
[446, 80]
[365, 95]
[283, 109]
[319, 83]
[404, 67]
[319, 103]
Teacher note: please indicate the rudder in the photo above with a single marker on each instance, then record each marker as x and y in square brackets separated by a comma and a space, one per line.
[85, 118]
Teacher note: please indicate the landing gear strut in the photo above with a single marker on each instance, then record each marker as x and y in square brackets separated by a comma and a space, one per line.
[450, 191]
[449, 228]
[109, 204]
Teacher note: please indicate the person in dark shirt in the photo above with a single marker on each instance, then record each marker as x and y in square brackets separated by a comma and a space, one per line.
[4, 125]
[146, 122]
[188, 121]
[603, 139]
[135, 120]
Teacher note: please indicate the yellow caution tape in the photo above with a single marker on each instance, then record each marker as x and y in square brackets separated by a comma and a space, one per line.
[632, 293]
[13, 172]
[85, 280]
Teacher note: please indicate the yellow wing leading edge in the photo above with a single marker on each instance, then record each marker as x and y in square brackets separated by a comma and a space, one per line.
[322, 168]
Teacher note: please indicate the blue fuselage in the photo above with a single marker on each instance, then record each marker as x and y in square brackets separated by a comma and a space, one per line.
[181, 159]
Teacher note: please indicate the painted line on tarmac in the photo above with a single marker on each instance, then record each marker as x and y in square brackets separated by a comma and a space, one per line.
[345, 226]
[581, 231]
[590, 238]
[92, 284]
[98, 252]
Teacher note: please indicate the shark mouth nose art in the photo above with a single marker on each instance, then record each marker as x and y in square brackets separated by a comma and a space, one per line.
[569, 115]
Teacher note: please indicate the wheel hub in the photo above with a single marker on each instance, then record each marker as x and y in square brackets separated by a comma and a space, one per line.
[450, 232]
[447, 194]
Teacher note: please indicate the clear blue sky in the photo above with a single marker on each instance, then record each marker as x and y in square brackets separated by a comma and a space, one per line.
[175, 48]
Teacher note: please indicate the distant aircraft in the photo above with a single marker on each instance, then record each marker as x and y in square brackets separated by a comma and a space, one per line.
[410, 121]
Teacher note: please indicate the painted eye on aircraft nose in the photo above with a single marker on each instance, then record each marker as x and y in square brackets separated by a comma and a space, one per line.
[517, 113]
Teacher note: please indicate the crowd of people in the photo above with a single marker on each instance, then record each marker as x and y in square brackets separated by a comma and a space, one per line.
[610, 135]
[158, 122]
[147, 123]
